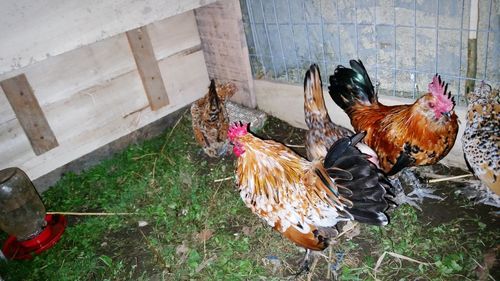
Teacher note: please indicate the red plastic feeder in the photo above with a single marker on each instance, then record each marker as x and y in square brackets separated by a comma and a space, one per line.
[23, 217]
[25, 250]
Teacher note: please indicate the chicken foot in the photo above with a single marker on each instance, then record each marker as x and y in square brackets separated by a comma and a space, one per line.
[417, 195]
[304, 264]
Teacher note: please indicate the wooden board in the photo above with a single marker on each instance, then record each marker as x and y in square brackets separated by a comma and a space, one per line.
[94, 94]
[24, 103]
[6, 112]
[174, 34]
[60, 77]
[225, 48]
[148, 67]
[33, 31]
[15, 147]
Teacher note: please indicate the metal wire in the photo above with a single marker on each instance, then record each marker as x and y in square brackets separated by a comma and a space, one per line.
[405, 80]
[487, 40]
[268, 39]
[281, 42]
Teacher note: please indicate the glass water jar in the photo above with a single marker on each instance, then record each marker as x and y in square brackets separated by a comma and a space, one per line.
[22, 213]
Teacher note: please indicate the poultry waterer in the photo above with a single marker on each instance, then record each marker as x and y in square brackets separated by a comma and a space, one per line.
[23, 217]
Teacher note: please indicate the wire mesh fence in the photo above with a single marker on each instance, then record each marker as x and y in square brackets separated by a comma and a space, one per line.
[402, 43]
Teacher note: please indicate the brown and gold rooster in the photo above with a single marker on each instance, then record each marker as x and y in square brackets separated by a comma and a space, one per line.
[210, 120]
[481, 139]
[405, 135]
[322, 132]
[305, 200]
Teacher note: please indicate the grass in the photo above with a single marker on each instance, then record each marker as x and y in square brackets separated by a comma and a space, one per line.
[198, 229]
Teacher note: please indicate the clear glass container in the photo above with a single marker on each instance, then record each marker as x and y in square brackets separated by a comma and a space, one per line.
[22, 213]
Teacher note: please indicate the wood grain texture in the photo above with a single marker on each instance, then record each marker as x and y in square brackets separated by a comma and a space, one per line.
[33, 31]
[144, 56]
[174, 34]
[27, 109]
[224, 46]
[94, 95]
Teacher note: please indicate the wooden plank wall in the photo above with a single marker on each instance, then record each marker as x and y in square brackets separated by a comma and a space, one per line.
[28, 112]
[145, 59]
[94, 94]
[225, 48]
[32, 31]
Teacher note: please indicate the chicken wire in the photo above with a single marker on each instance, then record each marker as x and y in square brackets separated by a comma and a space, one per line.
[402, 43]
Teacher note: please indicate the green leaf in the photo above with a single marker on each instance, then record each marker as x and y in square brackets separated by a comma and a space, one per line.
[106, 260]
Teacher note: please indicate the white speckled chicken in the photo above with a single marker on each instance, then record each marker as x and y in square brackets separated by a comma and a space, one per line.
[481, 139]
[210, 120]
[305, 200]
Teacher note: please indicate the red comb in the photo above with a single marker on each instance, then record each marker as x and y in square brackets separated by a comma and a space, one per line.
[437, 86]
[238, 129]
[439, 89]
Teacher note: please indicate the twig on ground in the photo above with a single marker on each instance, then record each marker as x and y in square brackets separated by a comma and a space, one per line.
[224, 179]
[329, 270]
[142, 156]
[205, 263]
[295, 145]
[482, 267]
[449, 178]
[398, 256]
[90, 214]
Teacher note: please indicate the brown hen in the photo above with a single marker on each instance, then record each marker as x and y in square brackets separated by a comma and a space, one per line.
[405, 135]
[210, 120]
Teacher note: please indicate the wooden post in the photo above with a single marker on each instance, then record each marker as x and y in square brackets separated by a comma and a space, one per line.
[148, 67]
[225, 48]
[28, 112]
[472, 46]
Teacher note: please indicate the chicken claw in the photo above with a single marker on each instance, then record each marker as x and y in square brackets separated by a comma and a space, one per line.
[417, 195]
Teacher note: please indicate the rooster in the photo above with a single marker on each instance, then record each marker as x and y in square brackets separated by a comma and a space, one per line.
[305, 200]
[322, 132]
[403, 136]
[210, 120]
[481, 140]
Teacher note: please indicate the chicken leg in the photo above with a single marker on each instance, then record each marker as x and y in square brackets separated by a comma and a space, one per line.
[417, 195]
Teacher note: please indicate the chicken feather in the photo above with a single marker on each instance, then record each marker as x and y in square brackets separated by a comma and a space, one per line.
[210, 120]
[304, 200]
[481, 138]
[322, 132]
[405, 135]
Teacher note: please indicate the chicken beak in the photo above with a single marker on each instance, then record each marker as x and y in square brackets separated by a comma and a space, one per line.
[447, 114]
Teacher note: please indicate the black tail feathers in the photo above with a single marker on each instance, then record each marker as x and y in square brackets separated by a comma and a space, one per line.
[349, 86]
[213, 101]
[212, 94]
[367, 186]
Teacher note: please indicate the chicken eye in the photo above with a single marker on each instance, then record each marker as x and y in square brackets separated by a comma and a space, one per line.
[431, 105]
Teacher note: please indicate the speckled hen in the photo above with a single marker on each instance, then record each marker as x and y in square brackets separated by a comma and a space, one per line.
[481, 139]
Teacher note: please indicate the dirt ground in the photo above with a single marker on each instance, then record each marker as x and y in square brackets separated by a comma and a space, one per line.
[233, 244]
